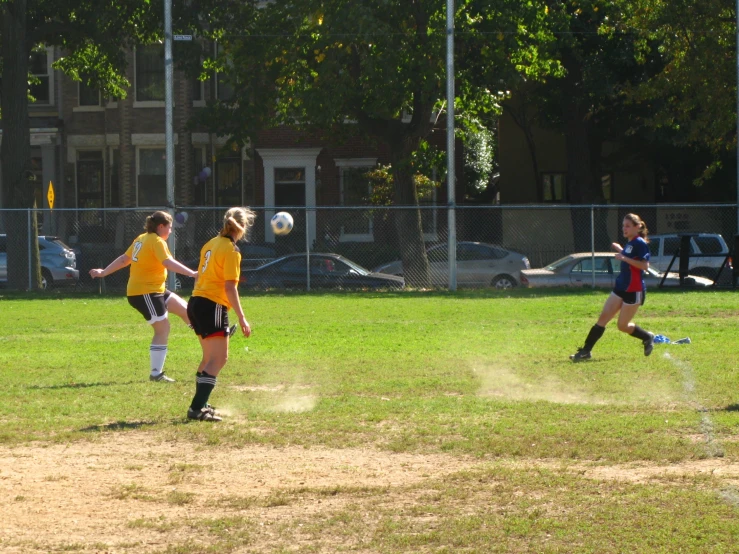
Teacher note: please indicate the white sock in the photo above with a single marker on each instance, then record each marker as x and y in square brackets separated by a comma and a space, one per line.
[157, 355]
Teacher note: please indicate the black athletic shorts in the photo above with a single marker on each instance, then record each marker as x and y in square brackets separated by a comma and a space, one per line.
[631, 298]
[208, 318]
[152, 306]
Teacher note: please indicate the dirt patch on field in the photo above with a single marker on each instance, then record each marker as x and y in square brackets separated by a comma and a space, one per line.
[117, 494]
[134, 492]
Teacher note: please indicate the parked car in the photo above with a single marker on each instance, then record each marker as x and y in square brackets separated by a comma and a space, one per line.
[326, 271]
[478, 264]
[252, 255]
[710, 251]
[58, 262]
[576, 270]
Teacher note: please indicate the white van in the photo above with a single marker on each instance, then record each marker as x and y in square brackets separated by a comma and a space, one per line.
[662, 248]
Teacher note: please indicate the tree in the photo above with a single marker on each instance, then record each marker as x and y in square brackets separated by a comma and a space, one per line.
[692, 95]
[379, 64]
[95, 36]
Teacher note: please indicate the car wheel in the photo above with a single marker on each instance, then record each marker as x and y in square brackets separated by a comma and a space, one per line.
[47, 281]
[504, 282]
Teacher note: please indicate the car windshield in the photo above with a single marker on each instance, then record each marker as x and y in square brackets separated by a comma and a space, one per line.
[57, 240]
[554, 266]
[356, 267]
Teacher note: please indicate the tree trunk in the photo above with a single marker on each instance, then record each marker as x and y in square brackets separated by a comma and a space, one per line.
[15, 153]
[408, 220]
[583, 177]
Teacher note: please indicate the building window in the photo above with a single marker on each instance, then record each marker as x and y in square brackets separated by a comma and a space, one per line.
[90, 183]
[197, 92]
[224, 89]
[554, 187]
[115, 162]
[39, 66]
[152, 177]
[88, 96]
[228, 182]
[355, 189]
[607, 184]
[150, 73]
[200, 196]
[290, 186]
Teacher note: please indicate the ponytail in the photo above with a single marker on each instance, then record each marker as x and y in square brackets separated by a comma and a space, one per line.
[639, 222]
[155, 220]
[237, 222]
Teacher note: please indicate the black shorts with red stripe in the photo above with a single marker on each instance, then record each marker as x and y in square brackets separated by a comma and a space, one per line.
[208, 318]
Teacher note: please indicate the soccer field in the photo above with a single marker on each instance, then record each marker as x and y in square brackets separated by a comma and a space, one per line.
[368, 422]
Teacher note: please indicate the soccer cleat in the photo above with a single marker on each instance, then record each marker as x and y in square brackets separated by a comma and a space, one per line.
[231, 331]
[161, 378]
[210, 409]
[648, 344]
[580, 355]
[205, 414]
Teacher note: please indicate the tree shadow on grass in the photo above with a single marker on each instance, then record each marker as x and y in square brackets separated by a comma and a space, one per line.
[732, 408]
[80, 385]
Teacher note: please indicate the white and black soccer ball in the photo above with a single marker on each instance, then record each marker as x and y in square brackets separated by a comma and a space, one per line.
[282, 223]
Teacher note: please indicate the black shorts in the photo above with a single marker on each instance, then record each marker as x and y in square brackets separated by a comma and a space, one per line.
[631, 298]
[208, 318]
[152, 306]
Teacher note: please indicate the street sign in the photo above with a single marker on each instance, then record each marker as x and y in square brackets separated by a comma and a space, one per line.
[50, 196]
[182, 37]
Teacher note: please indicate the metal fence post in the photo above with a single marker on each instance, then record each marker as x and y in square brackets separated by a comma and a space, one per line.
[592, 244]
[307, 252]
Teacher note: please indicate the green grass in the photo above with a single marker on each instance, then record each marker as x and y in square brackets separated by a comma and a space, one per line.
[480, 374]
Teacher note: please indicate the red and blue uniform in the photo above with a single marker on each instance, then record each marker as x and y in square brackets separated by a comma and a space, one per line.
[630, 279]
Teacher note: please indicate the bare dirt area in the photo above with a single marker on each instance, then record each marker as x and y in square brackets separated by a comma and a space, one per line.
[135, 492]
[89, 496]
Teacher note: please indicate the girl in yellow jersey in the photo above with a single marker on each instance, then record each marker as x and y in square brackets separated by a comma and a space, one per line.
[214, 294]
[149, 258]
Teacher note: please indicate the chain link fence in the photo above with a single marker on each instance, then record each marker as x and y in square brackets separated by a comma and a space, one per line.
[493, 243]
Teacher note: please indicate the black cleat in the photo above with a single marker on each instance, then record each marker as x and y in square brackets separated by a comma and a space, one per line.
[231, 331]
[580, 355]
[648, 344]
[205, 414]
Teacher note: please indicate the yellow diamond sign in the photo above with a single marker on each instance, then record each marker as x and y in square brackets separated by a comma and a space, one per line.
[50, 196]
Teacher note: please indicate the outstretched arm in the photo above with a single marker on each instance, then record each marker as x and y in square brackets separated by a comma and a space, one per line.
[177, 267]
[119, 263]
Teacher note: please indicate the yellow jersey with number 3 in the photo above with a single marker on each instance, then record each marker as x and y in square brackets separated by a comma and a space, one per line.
[148, 275]
[220, 261]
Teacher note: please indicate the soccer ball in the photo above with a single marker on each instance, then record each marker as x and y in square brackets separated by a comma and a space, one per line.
[282, 223]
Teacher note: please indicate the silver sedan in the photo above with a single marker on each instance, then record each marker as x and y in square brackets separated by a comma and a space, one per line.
[478, 265]
[585, 269]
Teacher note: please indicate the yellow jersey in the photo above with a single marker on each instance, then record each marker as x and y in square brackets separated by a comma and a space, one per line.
[148, 275]
[220, 261]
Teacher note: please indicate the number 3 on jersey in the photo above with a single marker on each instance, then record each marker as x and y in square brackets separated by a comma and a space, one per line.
[135, 254]
[205, 263]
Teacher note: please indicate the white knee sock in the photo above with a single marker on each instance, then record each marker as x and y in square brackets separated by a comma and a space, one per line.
[157, 355]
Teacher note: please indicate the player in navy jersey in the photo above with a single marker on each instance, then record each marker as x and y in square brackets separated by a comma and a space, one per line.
[629, 292]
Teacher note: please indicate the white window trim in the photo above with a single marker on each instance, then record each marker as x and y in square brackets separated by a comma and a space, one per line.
[50, 73]
[352, 163]
[274, 158]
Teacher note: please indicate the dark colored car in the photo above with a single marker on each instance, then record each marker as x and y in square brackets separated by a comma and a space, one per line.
[326, 271]
[252, 255]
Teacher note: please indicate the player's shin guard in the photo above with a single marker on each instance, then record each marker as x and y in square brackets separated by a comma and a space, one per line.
[204, 385]
[596, 332]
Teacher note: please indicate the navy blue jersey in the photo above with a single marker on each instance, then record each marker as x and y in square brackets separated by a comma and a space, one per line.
[630, 279]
